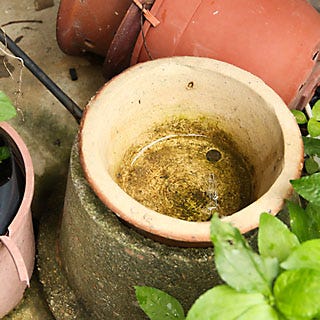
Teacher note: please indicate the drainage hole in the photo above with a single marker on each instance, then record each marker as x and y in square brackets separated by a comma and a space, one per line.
[213, 155]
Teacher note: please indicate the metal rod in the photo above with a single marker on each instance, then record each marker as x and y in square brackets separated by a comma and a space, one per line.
[68, 103]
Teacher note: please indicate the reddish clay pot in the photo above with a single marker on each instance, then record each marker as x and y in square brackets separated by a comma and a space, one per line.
[277, 41]
[17, 248]
[120, 50]
[89, 25]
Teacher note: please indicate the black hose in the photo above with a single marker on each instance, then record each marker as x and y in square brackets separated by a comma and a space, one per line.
[69, 104]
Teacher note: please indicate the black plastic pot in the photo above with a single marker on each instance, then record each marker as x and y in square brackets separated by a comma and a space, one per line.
[12, 183]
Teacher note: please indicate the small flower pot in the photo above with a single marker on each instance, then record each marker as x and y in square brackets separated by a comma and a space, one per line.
[277, 41]
[17, 247]
[149, 94]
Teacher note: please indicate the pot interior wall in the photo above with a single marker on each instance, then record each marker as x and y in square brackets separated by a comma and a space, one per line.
[143, 101]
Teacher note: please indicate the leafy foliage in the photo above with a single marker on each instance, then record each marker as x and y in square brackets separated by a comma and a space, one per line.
[313, 123]
[238, 265]
[307, 255]
[316, 110]
[7, 111]
[256, 288]
[305, 223]
[159, 305]
[300, 116]
[280, 246]
[223, 302]
[308, 187]
[312, 142]
[311, 165]
[4, 153]
[296, 293]
[314, 127]
[311, 146]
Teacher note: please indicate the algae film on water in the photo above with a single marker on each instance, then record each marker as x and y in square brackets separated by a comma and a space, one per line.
[187, 169]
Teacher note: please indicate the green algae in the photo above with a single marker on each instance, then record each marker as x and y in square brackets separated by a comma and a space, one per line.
[187, 169]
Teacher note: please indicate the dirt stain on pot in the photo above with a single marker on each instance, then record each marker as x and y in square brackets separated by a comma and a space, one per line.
[187, 169]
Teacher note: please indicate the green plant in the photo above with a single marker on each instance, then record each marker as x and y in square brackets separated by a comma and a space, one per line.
[311, 143]
[7, 111]
[305, 218]
[281, 282]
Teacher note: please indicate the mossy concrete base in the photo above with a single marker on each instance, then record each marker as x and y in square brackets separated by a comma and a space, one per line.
[60, 298]
[104, 259]
[33, 306]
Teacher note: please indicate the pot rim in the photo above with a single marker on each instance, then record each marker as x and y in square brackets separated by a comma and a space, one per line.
[29, 178]
[181, 231]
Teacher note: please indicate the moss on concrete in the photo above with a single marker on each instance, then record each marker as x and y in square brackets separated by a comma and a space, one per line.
[60, 298]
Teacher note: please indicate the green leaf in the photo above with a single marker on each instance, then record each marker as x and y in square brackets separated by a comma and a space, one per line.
[237, 264]
[313, 215]
[302, 225]
[282, 317]
[4, 153]
[307, 255]
[313, 127]
[261, 312]
[308, 187]
[300, 116]
[7, 110]
[158, 305]
[297, 293]
[311, 166]
[223, 302]
[311, 146]
[274, 238]
[316, 110]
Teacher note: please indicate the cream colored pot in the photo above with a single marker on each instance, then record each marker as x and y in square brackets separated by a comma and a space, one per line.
[149, 94]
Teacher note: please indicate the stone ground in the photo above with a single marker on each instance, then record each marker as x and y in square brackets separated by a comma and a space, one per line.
[47, 128]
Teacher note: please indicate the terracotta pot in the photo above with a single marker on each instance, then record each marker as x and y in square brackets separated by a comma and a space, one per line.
[89, 25]
[120, 50]
[167, 88]
[277, 41]
[17, 248]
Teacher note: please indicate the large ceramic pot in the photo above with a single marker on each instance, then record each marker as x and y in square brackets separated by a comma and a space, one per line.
[89, 25]
[277, 41]
[149, 94]
[17, 248]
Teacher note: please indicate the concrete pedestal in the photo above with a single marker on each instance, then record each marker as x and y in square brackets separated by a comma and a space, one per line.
[104, 259]
[90, 261]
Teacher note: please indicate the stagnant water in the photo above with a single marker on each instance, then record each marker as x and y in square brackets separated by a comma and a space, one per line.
[187, 169]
